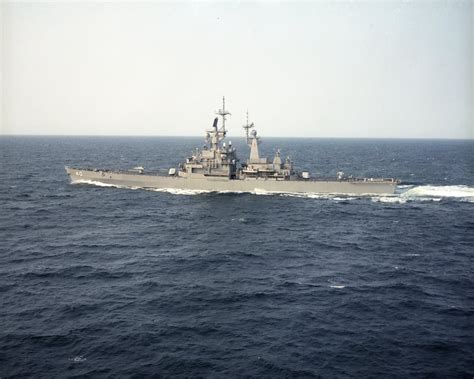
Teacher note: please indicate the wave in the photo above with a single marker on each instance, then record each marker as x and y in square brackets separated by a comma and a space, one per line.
[460, 192]
[79, 358]
[405, 193]
[431, 193]
[394, 199]
[98, 184]
[176, 191]
[309, 195]
[408, 193]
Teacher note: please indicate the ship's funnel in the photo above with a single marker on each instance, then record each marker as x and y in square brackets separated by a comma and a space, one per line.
[214, 125]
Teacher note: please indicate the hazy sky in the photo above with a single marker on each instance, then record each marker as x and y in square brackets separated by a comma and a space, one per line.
[316, 69]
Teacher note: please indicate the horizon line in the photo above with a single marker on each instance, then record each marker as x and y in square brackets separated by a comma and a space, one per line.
[243, 137]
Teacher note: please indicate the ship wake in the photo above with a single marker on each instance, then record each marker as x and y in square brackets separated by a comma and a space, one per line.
[432, 193]
[99, 184]
[405, 193]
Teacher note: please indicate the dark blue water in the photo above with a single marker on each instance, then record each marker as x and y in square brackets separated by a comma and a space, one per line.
[109, 282]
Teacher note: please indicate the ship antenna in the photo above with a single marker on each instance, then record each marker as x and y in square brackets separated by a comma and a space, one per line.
[247, 127]
[223, 112]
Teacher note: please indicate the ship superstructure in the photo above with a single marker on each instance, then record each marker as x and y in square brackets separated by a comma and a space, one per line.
[220, 159]
[256, 166]
[216, 158]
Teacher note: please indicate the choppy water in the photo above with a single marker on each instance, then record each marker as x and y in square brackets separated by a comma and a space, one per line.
[117, 282]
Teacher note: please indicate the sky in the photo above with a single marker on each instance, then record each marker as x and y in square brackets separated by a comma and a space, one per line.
[377, 69]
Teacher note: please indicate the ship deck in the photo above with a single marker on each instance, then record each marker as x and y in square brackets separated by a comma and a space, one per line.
[292, 179]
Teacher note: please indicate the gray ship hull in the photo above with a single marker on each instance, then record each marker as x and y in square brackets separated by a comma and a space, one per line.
[223, 184]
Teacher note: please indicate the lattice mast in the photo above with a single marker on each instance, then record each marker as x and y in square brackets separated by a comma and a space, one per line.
[215, 135]
[223, 112]
[247, 128]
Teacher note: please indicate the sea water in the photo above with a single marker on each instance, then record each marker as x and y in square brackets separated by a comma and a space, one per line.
[114, 282]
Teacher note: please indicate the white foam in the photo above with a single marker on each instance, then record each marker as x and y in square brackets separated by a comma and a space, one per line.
[176, 191]
[389, 199]
[96, 183]
[168, 190]
[418, 193]
[436, 193]
[258, 191]
[78, 358]
[337, 286]
[344, 198]
[311, 195]
[428, 193]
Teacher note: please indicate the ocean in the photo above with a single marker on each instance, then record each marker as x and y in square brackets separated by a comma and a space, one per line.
[112, 282]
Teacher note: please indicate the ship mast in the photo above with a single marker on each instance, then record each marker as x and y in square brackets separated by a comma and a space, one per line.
[247, 127]
[223, 112]
[215, 135]
[252, 141]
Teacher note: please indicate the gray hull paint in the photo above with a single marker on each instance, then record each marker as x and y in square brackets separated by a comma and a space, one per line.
[215, 184]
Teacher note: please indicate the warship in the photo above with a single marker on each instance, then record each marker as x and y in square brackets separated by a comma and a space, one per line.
[216, 168]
